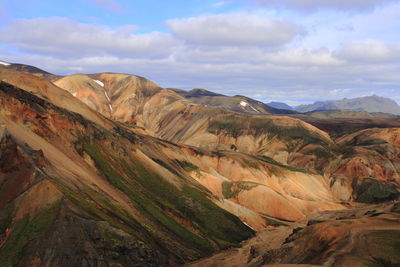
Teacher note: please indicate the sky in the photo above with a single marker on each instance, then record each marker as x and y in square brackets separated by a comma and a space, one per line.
[293, 51]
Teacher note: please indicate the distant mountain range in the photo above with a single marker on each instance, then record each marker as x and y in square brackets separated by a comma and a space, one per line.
[368, 103]
[280, 105]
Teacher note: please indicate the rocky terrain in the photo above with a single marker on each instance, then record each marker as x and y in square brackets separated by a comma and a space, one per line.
[139, 175]
[363, 236]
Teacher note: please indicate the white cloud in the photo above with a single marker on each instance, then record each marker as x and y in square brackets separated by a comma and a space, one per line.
[369, 50]
[303, 57]
[294, 83]
[232, 54]
[258, 55]
[324, 4]
[234, 30]
[66, 38]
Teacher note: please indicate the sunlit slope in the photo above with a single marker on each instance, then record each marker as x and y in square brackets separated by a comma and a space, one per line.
[280, 139]
[118, 96]
[166, 114]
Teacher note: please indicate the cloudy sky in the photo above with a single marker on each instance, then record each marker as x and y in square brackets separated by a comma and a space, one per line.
[296, 51]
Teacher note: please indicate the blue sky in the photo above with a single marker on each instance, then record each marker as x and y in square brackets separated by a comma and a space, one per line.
[296, 51]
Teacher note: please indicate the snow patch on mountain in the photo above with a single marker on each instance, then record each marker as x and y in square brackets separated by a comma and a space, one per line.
[4, 63]
[99, 83]
[108, 98]
[245, 104]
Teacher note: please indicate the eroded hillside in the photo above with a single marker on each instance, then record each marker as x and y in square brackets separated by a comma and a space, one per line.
[276, 139]
[62, 175]
[138, 175]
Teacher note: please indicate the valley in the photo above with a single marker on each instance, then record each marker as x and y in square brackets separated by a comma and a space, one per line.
[111, 169]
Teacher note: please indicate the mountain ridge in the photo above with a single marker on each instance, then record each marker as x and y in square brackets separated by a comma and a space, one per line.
[280, 105]
[372, 103]
[237, 103]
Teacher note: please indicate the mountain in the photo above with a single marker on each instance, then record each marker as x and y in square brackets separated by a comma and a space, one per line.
[29, 69]
[280, 105]
[112, 169]
[235, 103]
[67, 181]
[278, 140]
[368, 103]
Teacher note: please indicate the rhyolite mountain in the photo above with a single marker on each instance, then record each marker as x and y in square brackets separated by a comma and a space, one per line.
[111, 169]
[368, 103]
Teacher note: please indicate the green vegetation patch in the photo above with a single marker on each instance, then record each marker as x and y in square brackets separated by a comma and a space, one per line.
[273, 222]
[26, 230]
[102, 208]
[232, 189]
[235, 125]
[320, 152]
[384, 245]
[369, 190]
[187, 166]
[154, 196]
[251, 163]
[5, 218]
[274, 162]
[129, 186]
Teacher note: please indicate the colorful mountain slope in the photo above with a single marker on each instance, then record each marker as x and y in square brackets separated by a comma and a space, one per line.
[62, 175]
[112, 169]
